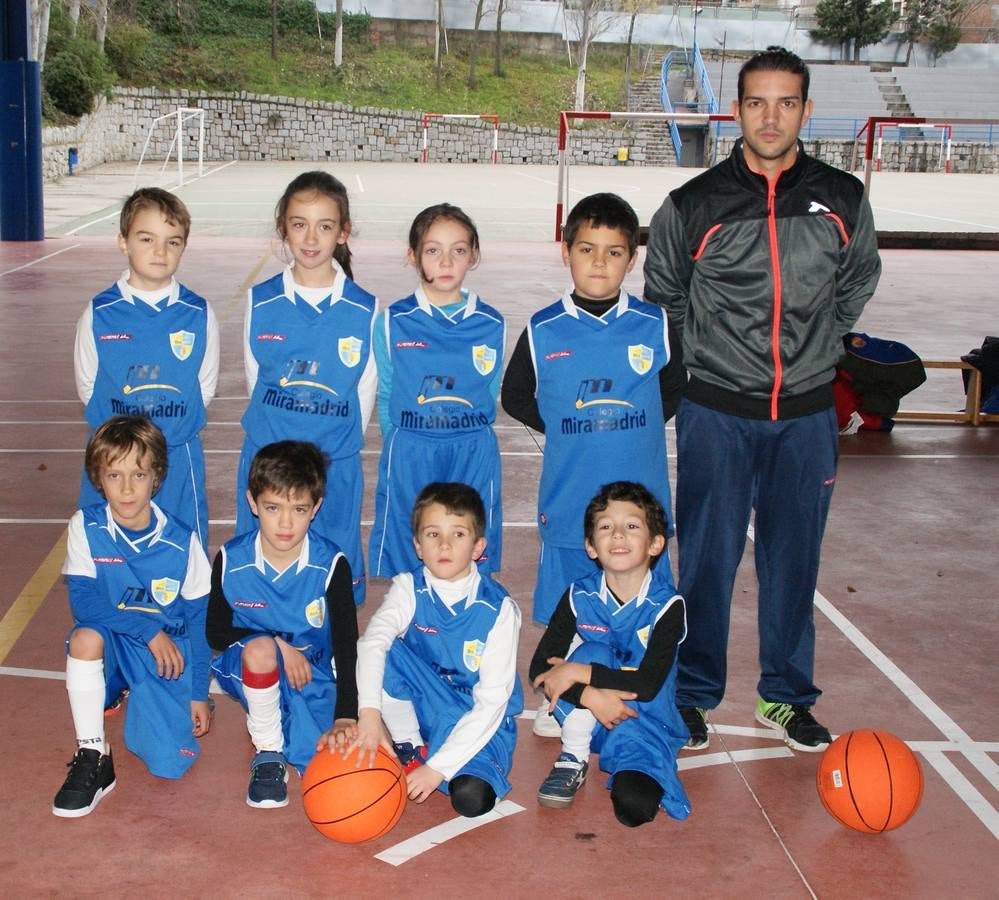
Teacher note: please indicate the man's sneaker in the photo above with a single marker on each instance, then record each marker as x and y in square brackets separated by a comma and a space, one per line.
[796, 725]
[410, 756]
[545, 724]
[91, 776]
[268, 781]
[696, 720]
[566, 777]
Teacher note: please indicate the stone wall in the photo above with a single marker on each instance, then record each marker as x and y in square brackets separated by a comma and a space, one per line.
[252, 127]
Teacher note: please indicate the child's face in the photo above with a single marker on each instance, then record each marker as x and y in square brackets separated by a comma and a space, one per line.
[154, 247]
[621, 541]
[312, 230]
[445, 256]
[598, 260]
[446, 542]
[128, 484]
[284, 521]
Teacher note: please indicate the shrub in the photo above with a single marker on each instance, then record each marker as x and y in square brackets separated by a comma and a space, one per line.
[74, 75]
[126, 47]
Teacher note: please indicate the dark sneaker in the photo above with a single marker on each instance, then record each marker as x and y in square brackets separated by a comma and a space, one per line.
[410, 757]
[566, 777]
[268, 781]
[91, 776]
[117, 706]
[696, 720]
[796, 725]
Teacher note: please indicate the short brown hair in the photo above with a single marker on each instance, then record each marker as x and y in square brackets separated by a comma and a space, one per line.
[626, 492]
[115, 437]
[172, 207]
[289, 466]
[457, 498]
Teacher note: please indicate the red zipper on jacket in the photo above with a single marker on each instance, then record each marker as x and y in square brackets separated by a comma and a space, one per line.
[775, 266]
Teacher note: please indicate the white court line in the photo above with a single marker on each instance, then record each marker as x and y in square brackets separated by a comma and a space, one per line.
[906, 212]
[720, 759]
[360, 184]
[434, 837]
[964, 789]
[35, 262]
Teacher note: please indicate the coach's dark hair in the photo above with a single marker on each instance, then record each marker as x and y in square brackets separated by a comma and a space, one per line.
[116, 437]
[603, 211]
[287, 467]
[170, 205]
[627, 492]
[775, 59]
[425, 218]
[457, 498]
[318, 182]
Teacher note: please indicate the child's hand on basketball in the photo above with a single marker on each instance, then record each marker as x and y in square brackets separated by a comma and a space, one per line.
[608, 705]
[422, 782]
[297, 669]
[201, 717]
[169, 659]
[340, 737]
[371, 734]
[560, 677]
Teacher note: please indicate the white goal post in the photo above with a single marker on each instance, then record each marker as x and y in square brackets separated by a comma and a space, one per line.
[564, 124]
[487, 117]
[180, 117]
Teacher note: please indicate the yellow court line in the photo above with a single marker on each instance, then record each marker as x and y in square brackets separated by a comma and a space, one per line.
[23, 609]
[248, 282]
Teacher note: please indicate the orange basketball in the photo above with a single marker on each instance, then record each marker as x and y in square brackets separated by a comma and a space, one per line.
[870, 781]
[352, 805]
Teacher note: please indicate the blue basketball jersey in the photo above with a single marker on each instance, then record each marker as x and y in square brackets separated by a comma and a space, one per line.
[149, 361]
[452, 642]
[598, 394]
[309, 365]
[443, 368]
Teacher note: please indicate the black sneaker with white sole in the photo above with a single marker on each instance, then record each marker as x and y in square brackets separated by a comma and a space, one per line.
[91, 776]
[796, 725]
[696, 720]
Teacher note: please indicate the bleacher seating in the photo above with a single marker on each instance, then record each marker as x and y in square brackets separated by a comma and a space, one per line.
[950, 92]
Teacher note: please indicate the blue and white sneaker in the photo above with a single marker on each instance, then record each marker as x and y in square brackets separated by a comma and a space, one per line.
[268, 781]
[566, 777]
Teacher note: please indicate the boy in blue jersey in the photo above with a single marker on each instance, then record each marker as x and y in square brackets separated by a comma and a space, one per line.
[138, 586]
[607, 663]
[148, 346]
[282, 613]
[437, 677]
[591, 372]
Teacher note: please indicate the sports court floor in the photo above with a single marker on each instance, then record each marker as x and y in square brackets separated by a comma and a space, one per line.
[907, 612]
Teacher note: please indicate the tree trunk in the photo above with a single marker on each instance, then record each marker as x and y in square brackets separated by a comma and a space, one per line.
[498, 45]
[581, 53]
[73, 8]
[102, 22]
[274, 41]
[439, 15]
[627, 60]
[338, 44]
[473, 54]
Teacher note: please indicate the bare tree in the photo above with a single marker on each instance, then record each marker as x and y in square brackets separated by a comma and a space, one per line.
[501, 6]
[73, 9]
[632, 8]
[473, 53]
[101, 11]
[584, 19]
[40, 10]
[438, 49]
[338, 43]
[274, 40]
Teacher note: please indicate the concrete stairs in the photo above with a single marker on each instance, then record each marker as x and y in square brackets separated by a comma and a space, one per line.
[895, 99]
[653, 136]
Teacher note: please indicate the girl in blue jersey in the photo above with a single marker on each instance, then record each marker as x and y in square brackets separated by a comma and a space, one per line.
[309, 368]
[607, 662]
[440, 359]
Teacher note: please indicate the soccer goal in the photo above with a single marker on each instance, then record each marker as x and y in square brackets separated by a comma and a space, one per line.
[484, 117]
[175, 124]
[916, 132]
[566, 119]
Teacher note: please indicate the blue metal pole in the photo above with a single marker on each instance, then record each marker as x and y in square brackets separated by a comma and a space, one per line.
[21, 206]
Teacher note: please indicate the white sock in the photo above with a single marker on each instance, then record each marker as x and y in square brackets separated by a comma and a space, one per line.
[263, 717]
[86, 689]
[400, 719]
[577, 730]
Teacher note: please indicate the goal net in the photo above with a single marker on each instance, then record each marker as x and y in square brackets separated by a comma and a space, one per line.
[177, 136]
[437, 138]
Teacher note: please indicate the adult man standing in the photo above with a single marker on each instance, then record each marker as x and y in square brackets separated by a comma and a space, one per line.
[763, 263]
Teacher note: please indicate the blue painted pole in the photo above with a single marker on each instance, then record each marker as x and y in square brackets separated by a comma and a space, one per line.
[21, 206]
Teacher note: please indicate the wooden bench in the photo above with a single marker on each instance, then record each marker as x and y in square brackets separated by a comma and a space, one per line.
[970, 415]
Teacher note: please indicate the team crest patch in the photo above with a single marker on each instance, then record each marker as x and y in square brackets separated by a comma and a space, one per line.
[315, 612]
[350, 351]
[165, 590]
[182, 343]
[640, 357]
[643, 635]
[484, 358]
[472, 654]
